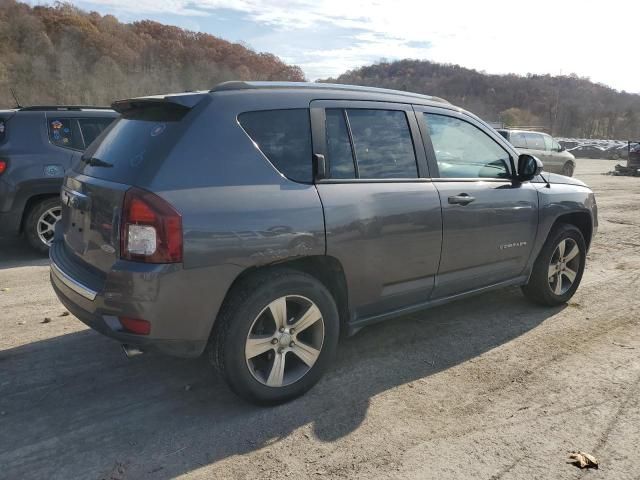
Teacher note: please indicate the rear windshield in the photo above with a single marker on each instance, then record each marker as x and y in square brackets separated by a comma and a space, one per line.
[129, 146]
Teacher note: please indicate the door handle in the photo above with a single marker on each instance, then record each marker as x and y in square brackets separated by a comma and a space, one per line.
[462, 199]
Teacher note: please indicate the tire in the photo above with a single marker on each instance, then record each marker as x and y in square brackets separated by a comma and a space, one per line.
[42, 215]
[567, 169]
[247, 313]
[545, 289]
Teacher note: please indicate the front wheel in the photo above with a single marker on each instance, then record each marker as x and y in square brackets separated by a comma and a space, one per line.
[558, 269]
[275, 336]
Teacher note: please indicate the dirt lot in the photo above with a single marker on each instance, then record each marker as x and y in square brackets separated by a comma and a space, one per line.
[491, 387]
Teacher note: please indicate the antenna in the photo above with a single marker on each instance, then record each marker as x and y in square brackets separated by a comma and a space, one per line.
[15, 97]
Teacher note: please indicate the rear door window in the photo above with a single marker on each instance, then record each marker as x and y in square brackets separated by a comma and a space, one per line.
[382, 144]
[64, 132]
[284, 137]
[535, 141]
[91, 128]
[518, 140]
[548, 142]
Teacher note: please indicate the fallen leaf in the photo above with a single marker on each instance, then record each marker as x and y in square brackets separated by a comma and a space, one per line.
[46, 320]
[22, 323]
[4, 289]
[64, 314]
[583, 460]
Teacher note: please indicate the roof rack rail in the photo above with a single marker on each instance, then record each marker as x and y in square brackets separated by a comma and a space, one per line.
[242, 85]
[62, 108]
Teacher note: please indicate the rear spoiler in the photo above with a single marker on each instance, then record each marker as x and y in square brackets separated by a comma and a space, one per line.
[178, 104]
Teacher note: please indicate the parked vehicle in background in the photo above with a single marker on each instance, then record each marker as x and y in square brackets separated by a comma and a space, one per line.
[554, 156]
[618, 152]
[37, 146]
[594, 148]
[589, 151]
[259, 220]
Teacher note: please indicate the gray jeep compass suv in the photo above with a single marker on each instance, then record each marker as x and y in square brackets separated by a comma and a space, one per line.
[37, 145]
[258, 221]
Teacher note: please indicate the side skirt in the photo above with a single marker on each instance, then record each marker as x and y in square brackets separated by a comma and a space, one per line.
[359, 323]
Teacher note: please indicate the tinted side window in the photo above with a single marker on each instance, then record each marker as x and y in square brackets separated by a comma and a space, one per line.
[464, 151]
[535, 141]
[63, 132]
[92, 127]
[284, 137]
[518, 140]
[382, 144]
[339, 154]
[3, 129]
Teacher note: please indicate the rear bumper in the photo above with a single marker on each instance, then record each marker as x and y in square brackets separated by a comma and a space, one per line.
[167, 296]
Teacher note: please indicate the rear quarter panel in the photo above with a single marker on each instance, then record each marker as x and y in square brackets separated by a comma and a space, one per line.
[237, 210]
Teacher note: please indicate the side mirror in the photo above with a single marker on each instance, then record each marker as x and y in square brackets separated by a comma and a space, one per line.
[528, 167]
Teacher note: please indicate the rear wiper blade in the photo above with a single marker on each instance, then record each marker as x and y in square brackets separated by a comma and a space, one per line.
[96, 162]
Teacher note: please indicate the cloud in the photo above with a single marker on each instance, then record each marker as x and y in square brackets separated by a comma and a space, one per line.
[548, 36]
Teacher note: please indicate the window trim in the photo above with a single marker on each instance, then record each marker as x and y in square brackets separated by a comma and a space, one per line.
[318, 134]
[491, 133]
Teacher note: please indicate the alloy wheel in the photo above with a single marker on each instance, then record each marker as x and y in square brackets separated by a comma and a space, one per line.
[564, 266]
[284, 341]
[47, 223]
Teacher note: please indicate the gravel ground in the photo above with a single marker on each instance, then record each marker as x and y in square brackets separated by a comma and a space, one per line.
[489, 387]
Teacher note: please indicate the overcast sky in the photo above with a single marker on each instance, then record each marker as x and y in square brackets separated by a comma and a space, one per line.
[599, 40]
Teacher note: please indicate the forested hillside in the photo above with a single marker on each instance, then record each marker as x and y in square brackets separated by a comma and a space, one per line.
[565, 105]
[61, 54]
[64, 55]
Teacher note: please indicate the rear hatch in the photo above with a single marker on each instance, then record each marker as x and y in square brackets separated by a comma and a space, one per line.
[127, 153]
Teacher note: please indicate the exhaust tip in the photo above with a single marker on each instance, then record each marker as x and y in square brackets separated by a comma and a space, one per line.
[131, 351]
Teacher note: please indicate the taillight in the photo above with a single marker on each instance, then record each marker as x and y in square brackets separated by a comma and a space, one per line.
[150, 229]
[3, 166]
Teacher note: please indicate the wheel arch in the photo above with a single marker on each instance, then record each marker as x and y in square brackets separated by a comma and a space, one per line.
[326, 269]
[31, 202]
[582, 220]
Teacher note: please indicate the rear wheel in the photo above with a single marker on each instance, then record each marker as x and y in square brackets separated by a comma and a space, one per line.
[567, 169]
[558, 269]
[275, 336]
[40, 223]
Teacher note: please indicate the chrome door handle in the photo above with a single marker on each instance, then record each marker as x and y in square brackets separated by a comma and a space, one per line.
[462, 199]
